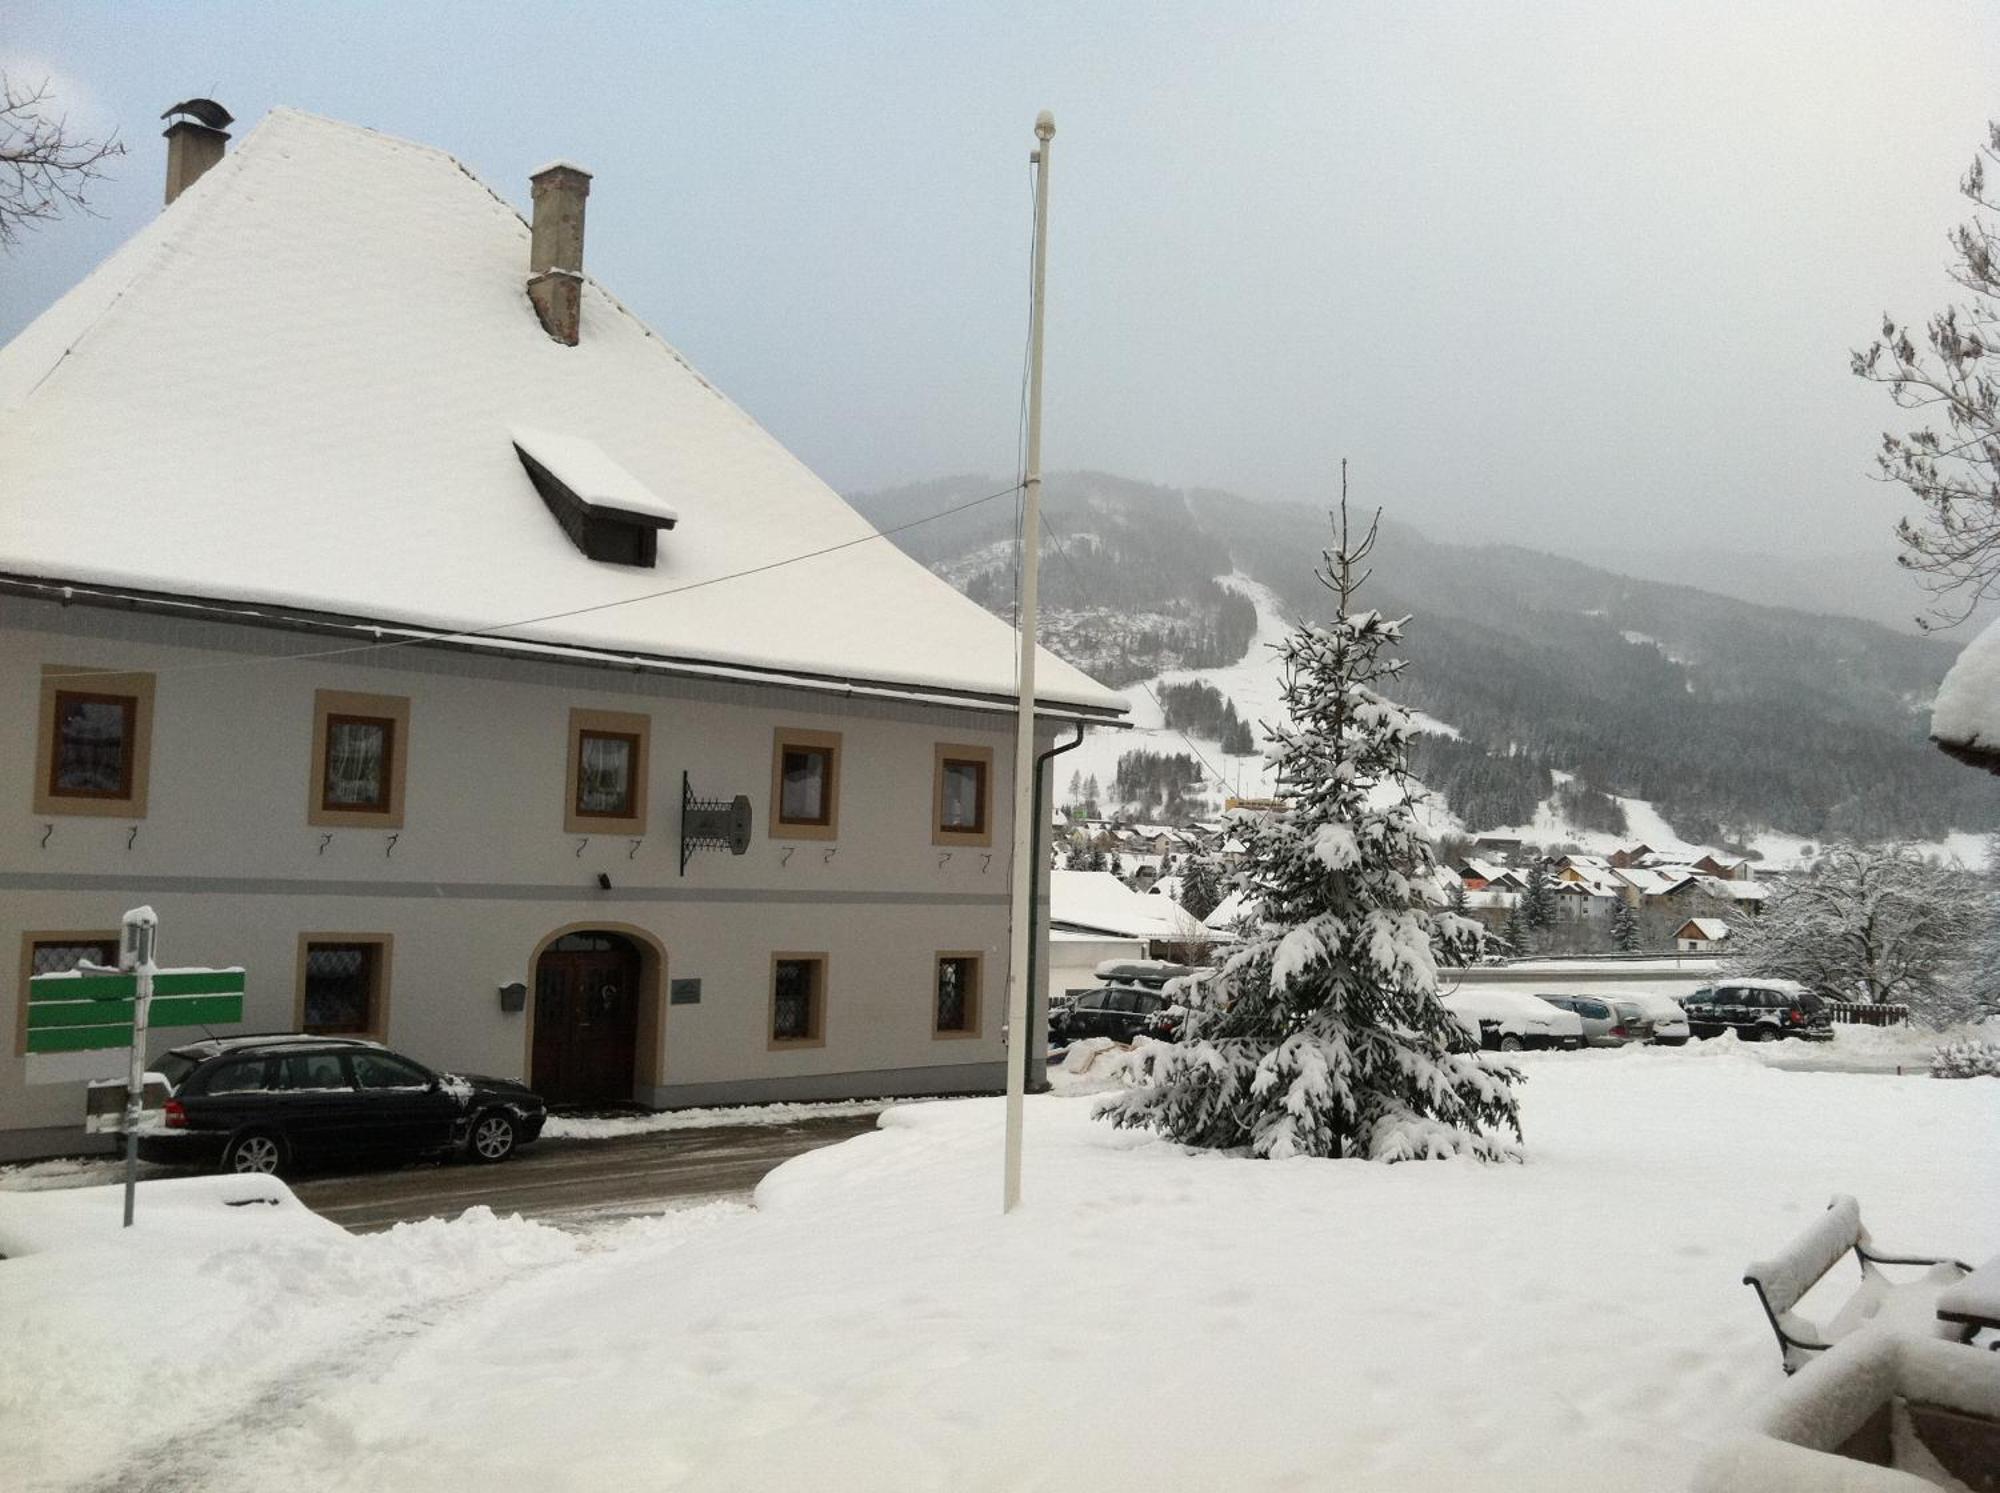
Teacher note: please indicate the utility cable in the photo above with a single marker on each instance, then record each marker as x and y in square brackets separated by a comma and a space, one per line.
[489, 630]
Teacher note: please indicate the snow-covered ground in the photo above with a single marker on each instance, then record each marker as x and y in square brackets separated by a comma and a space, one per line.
[614, 1127]
[1252, 684]
[1150, 1319]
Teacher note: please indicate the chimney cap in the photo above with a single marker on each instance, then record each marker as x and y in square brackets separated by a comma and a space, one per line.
[204, 111]
[541, 171]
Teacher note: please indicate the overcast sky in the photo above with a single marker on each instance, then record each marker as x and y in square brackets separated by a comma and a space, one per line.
[1577, 275]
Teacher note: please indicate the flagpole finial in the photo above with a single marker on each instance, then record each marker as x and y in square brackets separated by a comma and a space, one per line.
[1045, 126]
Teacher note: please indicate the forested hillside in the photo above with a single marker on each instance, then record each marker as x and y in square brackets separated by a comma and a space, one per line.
[1726, 715]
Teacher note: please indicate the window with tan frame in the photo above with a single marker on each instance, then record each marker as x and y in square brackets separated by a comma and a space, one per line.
[343, 987]
[57, 953]
[962, 796]
[360, 747]
[955, 993]
[609, 751]
[798, 1000]
[805, 784]
[93, 742]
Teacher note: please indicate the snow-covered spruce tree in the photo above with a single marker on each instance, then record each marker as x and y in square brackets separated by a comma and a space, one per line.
[1322, 1035]
[1625, 928]
[1538, 903]
[1513, 935]
[1201, 885]
[1455, 899]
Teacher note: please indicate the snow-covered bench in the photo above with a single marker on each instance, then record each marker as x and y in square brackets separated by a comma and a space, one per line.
[1881, 1413]
[1782, 1281]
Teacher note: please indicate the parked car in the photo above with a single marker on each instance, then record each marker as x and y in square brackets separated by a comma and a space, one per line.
[1604, 1024]
[1760, 1011]
[1120, 1012]
[1510, 1020]
[1668, 1023]
[264, 1104]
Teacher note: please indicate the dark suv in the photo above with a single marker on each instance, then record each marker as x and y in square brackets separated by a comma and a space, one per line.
[1132, 1002]
[263, 1104]
[1759, 1011]
[1120, 1012]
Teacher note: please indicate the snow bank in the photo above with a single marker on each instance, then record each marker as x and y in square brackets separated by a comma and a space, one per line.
[613, 1127]
[119, 1339]
[1151, 1318]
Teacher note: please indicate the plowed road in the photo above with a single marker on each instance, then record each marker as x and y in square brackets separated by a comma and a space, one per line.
[571, 1181]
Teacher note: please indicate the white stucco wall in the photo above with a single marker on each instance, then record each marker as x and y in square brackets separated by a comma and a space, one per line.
[482, 870]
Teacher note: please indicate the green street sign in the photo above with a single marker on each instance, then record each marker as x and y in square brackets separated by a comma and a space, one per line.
[88, 1012]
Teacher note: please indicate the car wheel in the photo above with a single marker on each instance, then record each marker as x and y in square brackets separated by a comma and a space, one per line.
[1510, 1043]
[493, 1136]
[1768, 1034]
[254, 1153]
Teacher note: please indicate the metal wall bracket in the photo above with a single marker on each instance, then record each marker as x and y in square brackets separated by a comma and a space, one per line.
[712, 823]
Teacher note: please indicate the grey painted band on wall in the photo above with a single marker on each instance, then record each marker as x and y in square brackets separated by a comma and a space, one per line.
[474, 891]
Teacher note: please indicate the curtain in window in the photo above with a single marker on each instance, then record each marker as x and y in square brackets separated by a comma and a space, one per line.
[356, 763]
[791, 1017]
[804, 799]
[961, 795]
[91, 746]
[954, 984]
[339, 983]
[604, 775]
[61, 958]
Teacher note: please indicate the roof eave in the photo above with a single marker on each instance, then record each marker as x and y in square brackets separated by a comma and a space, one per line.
[1972, 753]
[302, 619]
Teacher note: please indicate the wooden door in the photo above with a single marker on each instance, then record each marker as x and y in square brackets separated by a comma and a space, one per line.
[586, 1019]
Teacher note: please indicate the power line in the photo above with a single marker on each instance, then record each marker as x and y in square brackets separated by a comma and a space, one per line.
[602, 606]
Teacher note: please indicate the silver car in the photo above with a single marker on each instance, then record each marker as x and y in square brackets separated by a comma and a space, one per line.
[1663, 1014]
[1604, 1025]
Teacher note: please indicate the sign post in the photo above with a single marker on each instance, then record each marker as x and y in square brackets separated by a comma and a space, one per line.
[91, 1009]
[135, 957]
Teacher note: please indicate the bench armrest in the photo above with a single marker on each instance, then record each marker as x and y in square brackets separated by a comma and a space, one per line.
[1872, 1258]
[1786, 1341]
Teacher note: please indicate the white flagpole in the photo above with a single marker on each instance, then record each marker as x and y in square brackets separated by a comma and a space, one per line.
[1027, 834]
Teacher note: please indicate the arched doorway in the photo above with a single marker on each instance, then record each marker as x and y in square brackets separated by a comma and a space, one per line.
[587, 998]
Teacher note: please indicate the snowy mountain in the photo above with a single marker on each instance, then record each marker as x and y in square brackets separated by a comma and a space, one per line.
[1559, 696]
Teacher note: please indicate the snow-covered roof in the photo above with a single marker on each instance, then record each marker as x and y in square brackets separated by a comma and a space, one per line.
[1965, 718]
[594, 477]
[300, 385]
[1230, 911]
[1651, 883]
[1712, 929]
[1735, 891]
[1100, 901]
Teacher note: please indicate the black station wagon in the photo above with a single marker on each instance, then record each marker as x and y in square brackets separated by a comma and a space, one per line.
[264, 1104]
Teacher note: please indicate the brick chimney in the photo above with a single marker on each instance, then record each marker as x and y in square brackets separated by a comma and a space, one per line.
[194, 141]
[555, 249]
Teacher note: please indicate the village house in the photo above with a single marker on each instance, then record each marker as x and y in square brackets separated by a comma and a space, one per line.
[1700, 936]
[406, 622]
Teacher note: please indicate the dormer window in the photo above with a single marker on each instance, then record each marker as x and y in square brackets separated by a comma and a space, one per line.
[607, 513]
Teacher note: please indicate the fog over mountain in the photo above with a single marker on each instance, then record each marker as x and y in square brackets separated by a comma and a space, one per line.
[1730, 716]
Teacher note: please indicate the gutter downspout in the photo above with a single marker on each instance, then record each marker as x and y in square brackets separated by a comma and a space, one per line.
[1038, 1079]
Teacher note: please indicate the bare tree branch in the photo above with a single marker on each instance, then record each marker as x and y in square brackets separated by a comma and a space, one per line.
[45, 170]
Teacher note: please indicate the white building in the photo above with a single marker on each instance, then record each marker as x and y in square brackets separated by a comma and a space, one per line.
[1700, 936]
[382, 601]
